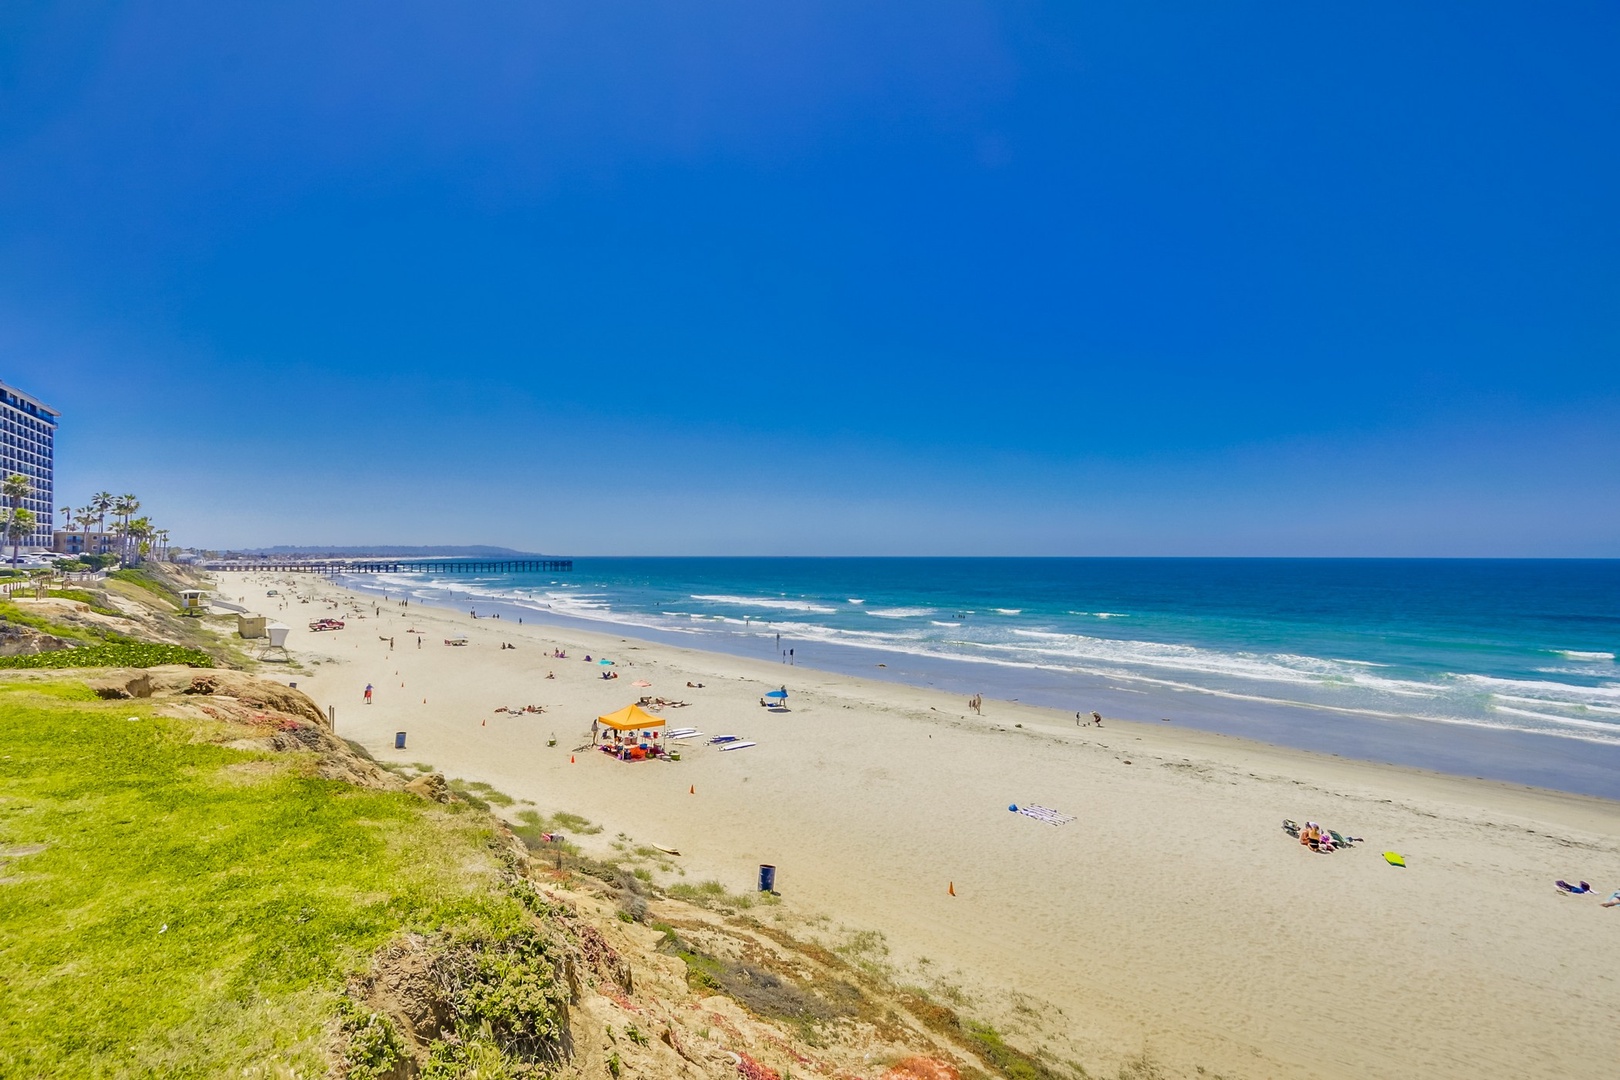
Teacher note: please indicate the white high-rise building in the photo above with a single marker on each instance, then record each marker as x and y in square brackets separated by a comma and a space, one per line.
[28, 446]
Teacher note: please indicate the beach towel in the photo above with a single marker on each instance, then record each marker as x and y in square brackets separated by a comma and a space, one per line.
[1044, 813]
[1576, 890]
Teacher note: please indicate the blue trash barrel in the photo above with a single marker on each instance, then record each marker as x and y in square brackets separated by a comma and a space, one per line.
[767, 877]
[399, 740]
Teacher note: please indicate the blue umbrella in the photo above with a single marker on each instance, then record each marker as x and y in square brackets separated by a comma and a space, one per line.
[777, 694]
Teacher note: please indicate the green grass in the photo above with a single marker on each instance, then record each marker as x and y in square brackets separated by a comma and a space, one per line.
[712, 894]
[197, 908]
[479, 793]
[97, 602]
[16, 613]
[146, 579]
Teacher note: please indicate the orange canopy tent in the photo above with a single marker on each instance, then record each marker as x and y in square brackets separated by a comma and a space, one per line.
[630, 718]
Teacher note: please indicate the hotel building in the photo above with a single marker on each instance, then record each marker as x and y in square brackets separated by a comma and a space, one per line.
[28, 446]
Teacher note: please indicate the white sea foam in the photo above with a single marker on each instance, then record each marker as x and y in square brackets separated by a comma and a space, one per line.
[1547, 706]
[1009, 610]
[776, 603]
[1545, 691]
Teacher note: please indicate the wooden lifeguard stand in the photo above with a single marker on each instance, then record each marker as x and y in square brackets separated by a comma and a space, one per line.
[193, 602]
[276, 641]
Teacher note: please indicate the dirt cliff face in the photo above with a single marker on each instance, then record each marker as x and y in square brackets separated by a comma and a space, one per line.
[18, 640]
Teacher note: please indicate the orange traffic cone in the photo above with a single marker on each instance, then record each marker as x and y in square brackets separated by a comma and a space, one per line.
[570, 759]
[692, 790]
[952, 888]
[484, 722]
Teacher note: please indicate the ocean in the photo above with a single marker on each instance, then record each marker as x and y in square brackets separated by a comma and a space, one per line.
[1496, 668]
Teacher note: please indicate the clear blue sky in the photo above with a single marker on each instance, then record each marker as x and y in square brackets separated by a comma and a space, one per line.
[870, 278]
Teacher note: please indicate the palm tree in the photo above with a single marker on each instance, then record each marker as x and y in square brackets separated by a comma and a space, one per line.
[140, 531]
[85, 519]
[100, 503]
[125, 506]
[16, 488]
[19, 524]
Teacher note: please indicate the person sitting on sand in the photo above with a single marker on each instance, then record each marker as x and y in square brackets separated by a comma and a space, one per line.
[551, 675]
[1613, 900]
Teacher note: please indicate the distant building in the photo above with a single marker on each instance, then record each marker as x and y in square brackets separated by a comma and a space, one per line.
[77, 543]
[28, 427]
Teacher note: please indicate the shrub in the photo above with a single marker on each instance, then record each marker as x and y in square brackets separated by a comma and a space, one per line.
[112, 654]
[374, 1047]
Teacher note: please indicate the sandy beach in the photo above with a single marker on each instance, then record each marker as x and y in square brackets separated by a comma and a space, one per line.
[1172, 916]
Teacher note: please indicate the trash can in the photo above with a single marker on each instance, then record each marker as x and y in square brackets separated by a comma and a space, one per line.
[767, 878]
[399, 740]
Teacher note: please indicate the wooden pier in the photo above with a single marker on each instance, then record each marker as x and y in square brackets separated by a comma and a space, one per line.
[398, 566]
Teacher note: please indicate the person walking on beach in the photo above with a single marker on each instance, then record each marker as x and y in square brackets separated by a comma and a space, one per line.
[390, 644]
[368, 693]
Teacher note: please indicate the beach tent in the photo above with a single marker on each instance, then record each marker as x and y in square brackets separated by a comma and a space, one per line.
[630, 718]
[778, 694]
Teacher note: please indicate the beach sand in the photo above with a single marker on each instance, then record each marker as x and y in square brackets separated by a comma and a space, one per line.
[1173, 917]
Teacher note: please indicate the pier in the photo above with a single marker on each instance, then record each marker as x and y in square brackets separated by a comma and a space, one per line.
[397, 566]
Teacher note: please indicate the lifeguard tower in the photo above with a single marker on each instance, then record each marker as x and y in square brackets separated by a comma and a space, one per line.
[276, 641]
[193, 602]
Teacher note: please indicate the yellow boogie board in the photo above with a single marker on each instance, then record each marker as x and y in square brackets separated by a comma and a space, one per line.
[1394, 858]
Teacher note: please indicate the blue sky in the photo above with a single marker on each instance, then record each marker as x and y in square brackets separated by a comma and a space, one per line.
[894, 278]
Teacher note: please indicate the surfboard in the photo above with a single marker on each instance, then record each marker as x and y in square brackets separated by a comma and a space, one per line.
[737, 746]
[1394, 858]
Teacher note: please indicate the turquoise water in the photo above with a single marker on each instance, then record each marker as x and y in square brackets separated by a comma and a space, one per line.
[1382, 653]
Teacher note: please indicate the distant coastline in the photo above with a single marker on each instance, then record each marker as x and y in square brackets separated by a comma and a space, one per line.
[341, 551]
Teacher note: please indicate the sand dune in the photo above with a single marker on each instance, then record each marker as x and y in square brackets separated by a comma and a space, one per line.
[1173, 915]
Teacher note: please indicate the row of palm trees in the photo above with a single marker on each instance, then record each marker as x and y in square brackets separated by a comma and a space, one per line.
[137, 536]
